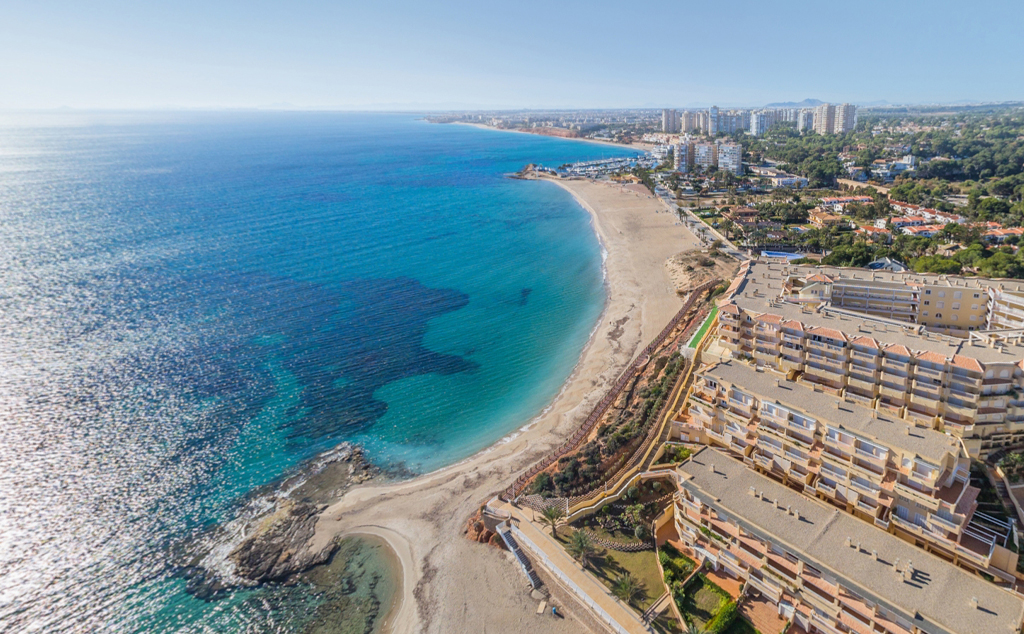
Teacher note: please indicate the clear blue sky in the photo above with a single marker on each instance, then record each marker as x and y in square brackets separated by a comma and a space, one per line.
[372, 54]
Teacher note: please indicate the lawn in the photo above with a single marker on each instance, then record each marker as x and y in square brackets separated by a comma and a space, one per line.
[609, 564]
[703, 600]
[704, 328]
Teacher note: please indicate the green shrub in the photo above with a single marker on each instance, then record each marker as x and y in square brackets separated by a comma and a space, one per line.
[722, 619]
[663, 558]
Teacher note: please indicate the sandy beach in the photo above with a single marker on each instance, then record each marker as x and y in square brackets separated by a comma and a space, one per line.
[636, 145]
[450, 584]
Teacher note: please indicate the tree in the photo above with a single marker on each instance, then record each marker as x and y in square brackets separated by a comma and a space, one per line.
[693, 629]
[553, 516]
[628, 588]
[581, 548]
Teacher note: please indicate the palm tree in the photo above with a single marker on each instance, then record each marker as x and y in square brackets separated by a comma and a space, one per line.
[693, 629]
[581, 548]
[553, 516]
[628, 588]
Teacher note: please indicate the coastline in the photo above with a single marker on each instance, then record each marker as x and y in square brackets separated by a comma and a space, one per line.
[449, 583]
[636, 145]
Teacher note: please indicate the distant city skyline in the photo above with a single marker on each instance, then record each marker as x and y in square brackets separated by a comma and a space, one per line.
[575, 55]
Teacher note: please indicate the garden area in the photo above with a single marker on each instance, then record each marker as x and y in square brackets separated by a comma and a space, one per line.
[703, 604]
[617, 438]
[632, 577]
[674, 454]
[630, 520]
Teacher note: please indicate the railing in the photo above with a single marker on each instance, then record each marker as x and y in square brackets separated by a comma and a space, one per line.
[574, 441]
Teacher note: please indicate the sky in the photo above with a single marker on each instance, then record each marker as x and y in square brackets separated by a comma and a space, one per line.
[458, 54]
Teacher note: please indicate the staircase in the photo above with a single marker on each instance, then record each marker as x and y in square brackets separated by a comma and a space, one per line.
[513, 547]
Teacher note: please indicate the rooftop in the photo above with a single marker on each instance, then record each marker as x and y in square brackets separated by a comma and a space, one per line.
[829, 410]
[758, 291]
[937, 598]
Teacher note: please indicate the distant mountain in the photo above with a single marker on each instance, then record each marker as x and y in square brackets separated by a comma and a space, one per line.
[806, 103]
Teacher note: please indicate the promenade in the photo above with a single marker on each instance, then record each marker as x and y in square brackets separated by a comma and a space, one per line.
[546, 552]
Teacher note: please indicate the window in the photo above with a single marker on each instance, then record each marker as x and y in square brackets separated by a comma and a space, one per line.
[957, 295]
[941, 305]
[956, 305]
[938, 315]
[927, 302]
[976, 296]
[974, 307]
[942, 293]
[928, 291]
[974, 318]
[926, 313]
[954, 317]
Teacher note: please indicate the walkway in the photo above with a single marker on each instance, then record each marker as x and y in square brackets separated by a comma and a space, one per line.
[552, 556]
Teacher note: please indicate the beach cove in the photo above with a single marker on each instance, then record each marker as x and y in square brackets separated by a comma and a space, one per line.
[450, 583]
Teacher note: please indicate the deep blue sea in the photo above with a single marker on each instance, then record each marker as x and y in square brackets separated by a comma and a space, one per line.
[193, 304]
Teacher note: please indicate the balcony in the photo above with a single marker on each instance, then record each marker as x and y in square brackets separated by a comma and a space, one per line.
[926, 406]
[929, 373]
[876, 458]
[788, 363]
[768, 356]
[898, 393]
[942, 524]
[895, 365]
[768, 588]
[969, 383]
[797, 341]
[922, 498]
[862, 383]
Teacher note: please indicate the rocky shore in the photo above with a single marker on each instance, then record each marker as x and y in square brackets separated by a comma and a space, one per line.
[269, 539]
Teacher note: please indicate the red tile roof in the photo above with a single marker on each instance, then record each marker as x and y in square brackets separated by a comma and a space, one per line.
[831, 333]
[967, 363]
[865, 341]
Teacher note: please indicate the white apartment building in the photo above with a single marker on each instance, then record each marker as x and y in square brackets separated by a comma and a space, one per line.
[730, 158]
[705, 155]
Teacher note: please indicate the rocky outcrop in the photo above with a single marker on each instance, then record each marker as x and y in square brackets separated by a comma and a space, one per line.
[476, 530]
[279, 547]
[269, 539]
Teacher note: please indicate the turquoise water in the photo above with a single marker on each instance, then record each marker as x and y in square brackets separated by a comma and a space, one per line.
[193, 304]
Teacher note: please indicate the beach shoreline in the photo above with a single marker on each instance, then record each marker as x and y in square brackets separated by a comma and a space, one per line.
[450, 583]
[636, 145]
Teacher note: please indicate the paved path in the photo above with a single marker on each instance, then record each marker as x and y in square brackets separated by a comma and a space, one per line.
[554, 555]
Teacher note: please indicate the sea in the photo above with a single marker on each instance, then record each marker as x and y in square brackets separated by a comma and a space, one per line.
[193, 305]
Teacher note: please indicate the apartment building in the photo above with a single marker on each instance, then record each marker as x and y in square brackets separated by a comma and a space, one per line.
[670, 120]
[830, 119]
[824, 118]
[762, 120]
[705, 155]
[845, 119]
[689, 121]
[683, 154]
[828, 572]
[910, 480]
[730, 158]
[805, 120]
[711, 121]
[886, 340]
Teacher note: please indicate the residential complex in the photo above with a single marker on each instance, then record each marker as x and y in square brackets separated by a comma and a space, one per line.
[942, 352]
[907, 479]
[827, 571]
[830, 119]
